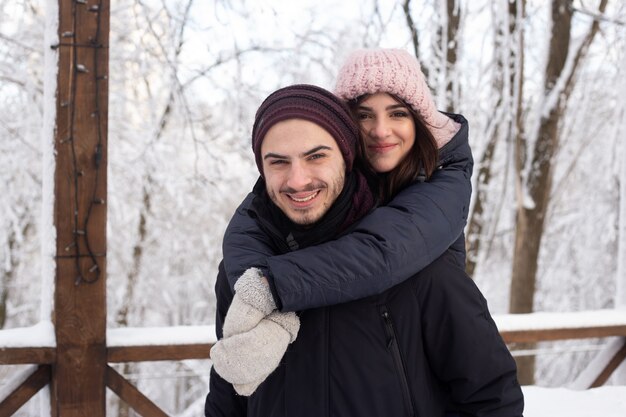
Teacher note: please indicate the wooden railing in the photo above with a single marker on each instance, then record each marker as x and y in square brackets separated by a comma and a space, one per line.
[194, 342]
[542, 327]
[124, 345]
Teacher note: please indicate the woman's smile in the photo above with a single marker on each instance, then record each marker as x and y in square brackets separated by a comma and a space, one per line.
[382, 147]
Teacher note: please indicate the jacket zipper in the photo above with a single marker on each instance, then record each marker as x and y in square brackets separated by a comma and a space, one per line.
[392, 345]
[279, 240]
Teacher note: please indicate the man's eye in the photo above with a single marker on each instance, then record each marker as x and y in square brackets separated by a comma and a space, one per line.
[278, 162]
[317, 156]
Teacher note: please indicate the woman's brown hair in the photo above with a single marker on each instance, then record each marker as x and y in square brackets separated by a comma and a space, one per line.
[420, 161]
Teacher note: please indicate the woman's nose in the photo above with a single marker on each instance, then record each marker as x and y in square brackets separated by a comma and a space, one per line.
[381, 129]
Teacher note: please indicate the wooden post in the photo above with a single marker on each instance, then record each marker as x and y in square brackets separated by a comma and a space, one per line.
[79, 374]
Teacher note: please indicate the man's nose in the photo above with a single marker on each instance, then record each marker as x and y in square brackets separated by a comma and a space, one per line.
[299, 176]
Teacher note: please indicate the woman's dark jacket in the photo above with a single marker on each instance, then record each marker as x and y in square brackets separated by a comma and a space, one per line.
[386, 247]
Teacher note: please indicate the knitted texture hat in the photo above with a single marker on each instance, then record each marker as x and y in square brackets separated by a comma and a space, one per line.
[310, 103]
[395, 71]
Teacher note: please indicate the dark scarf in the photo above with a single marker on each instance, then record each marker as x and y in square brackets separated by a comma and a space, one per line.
[354, 202]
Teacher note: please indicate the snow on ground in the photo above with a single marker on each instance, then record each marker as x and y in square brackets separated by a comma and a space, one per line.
[607, 401]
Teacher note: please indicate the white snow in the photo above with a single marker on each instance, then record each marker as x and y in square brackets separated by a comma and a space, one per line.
[47, 229]
[152, 336]
[16, 380]
[599, 362]
[570, 320]
[42, 335]
[39, 335]
[607, 401]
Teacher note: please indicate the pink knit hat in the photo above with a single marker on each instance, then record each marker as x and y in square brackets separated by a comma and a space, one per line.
[395, 71]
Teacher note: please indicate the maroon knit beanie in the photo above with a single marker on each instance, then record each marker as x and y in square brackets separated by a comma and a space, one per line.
[310, 103]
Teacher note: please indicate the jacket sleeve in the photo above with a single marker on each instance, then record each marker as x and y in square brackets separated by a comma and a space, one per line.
[222, 400]
[385, 248]
[245, 245]
[464, 347]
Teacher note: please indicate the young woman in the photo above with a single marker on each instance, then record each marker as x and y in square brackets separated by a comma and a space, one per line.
[425, 199]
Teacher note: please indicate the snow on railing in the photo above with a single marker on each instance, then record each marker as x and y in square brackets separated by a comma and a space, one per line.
[42, 334]
[557, 320]
[39, 335]
[151, 336]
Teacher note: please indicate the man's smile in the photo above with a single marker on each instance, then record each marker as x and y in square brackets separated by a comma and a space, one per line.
[302, 199]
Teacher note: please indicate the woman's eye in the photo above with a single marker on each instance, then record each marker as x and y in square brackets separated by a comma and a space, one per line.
[400, 114]
[363, 116]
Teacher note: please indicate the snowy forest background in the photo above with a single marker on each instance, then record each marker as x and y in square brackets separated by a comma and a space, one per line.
[543, 92]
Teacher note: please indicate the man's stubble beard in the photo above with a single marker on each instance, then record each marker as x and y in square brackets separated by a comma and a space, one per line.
[309, 219]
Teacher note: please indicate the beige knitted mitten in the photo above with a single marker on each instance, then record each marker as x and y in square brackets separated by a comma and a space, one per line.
[247, 359]
[252, 301]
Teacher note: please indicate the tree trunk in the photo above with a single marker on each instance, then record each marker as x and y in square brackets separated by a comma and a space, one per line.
[509, 47]
[406, 7]
[531, 214]
[451, 47]
[476, 223]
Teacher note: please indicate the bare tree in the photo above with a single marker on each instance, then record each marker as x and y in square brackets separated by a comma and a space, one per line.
[415, 39]
[506, 125]
[532, 204]
[450, 44]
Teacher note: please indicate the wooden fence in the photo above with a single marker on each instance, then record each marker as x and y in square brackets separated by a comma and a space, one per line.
[194, 342]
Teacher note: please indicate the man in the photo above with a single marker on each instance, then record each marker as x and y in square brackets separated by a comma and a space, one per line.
[419, 348]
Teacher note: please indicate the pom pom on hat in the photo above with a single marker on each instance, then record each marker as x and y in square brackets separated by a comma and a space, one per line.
[311, 103]
[395, 71]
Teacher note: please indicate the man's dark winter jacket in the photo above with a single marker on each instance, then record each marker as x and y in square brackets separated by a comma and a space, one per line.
[385, 248]
[427, 344]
